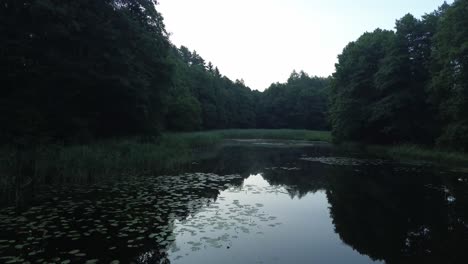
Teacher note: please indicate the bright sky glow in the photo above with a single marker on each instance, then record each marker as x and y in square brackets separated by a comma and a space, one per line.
[262, 41]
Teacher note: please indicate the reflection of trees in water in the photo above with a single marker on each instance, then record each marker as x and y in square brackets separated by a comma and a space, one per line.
[126, 219]
[300, 182]
[279, 166]
[389, 212]
[397, 218]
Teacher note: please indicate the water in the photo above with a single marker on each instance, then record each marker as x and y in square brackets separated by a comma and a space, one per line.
[261, 223]
[253, 202]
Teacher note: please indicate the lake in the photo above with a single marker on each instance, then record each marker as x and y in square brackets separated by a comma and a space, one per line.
[252, 201]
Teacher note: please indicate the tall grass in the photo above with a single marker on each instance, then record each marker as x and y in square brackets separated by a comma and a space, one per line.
[279, 134]
[105, 158]
[170, 153]
[406, 151]
[80, 164]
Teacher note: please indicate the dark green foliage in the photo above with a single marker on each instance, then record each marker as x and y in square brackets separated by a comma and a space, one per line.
[450, 75]
[409, 86]
[82, 69]
[357, 104]
[300, 103]
[184, 114]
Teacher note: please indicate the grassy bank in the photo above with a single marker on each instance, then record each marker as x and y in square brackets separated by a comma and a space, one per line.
[56, 164]
[170, 153]
[130, 155]
[419, 152]
[279, 134]
[408, 151]
[79, 162]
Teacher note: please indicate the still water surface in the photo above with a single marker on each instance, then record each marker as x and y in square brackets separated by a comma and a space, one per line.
[253, 202]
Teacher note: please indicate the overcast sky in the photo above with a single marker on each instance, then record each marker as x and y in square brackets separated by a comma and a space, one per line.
[262, 41]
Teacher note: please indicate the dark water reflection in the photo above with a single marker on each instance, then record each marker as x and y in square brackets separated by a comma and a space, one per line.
[253, 202]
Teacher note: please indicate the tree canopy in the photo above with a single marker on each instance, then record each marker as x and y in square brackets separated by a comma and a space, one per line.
[77, 71]
[84, 70]
[408, 85]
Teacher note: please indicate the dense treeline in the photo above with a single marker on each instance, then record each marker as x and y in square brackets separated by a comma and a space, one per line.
[77, 71]
[407, 85]
[202, 98]
[81, 69]
[301, 102]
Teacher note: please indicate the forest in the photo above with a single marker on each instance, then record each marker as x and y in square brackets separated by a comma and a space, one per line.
[80, 71]
[118, 146]
[407, 85]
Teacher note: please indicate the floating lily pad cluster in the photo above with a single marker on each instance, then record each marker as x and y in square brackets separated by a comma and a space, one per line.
[226, 220]
[344, 161]
[283, 168]
[347, 161]
[460, 170]
[108, 222]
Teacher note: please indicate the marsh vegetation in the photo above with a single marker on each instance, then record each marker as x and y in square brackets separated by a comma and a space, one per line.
[246, 195]
[118, 146]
